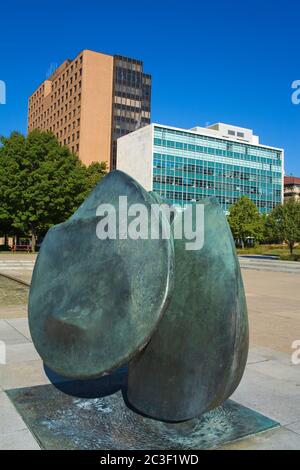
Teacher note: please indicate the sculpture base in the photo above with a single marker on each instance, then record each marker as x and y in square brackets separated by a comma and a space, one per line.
[61, 421]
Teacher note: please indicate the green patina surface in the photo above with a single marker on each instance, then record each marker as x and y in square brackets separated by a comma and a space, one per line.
[61, 421]
[94, 303]
[178, 316]
[197, 356]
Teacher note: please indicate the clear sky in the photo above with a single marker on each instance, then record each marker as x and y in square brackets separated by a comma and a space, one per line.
[230, 61]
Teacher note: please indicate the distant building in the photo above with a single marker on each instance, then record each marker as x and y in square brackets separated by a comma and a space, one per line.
[185, 165]
[291, 187]
[90, 101]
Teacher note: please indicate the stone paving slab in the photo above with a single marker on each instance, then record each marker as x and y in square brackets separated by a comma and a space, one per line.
[277, 439]
[21, 353]
[10, 335]
[275, 369]
[10, 420]
[273, 397]
[18, 440]
[22, 374]
[21, 325]
[294, 427]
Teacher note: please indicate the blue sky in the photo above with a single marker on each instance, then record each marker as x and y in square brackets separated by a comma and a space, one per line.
[229, 61]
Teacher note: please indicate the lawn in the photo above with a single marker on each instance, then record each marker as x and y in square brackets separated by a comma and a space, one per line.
[281, 251]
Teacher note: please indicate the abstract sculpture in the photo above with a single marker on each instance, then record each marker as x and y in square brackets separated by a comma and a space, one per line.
[177, 316]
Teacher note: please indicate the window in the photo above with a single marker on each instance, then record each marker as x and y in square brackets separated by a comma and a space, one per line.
[230, 132]
[240, 134]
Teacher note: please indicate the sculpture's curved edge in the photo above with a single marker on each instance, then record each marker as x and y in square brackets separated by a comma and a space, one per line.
[150, 389]
[149, 199]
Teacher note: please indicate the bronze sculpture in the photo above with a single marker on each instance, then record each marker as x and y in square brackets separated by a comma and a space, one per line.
[178, 316]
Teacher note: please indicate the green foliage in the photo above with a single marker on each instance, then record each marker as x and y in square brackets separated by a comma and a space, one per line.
[284, 223]
[41, 183]
[245, 221]
[94, 173]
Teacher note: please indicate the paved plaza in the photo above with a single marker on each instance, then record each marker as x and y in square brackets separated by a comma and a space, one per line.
[271, 383]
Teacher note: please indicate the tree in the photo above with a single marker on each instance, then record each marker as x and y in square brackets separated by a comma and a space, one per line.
[245, 221]
[8, 168]
[42, 183]
[284, 222]
[94, 172]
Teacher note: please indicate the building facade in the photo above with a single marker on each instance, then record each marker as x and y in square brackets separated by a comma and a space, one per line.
[291, 187]
[131, 99]
[90, 101]
[186, 165]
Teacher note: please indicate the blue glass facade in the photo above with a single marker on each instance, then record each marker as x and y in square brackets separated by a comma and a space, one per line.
[188, 166]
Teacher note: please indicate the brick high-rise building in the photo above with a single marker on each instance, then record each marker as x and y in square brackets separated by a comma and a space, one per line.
[90, 101]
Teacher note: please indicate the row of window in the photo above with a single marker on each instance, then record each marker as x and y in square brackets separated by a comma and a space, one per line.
[218, 186]
[124, 107]
[72, 67]
[247, 156]
[225, 201]
[68, 139]
[64, 80]
[210, 171]
[37, 95]
[209, 141]
[128, 63]
[128, 76]
[39, 112]
[45, 123]
[74, 148]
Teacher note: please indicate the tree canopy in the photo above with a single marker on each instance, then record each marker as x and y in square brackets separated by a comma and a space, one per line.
[41, 183]
[284, 223]
[245, 221]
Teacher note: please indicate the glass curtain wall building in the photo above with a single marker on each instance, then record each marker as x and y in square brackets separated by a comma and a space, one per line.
[131, 99]
[187, 165]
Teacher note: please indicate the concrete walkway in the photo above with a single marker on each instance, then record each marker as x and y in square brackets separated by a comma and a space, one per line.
[270, 385]
[18, 265]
